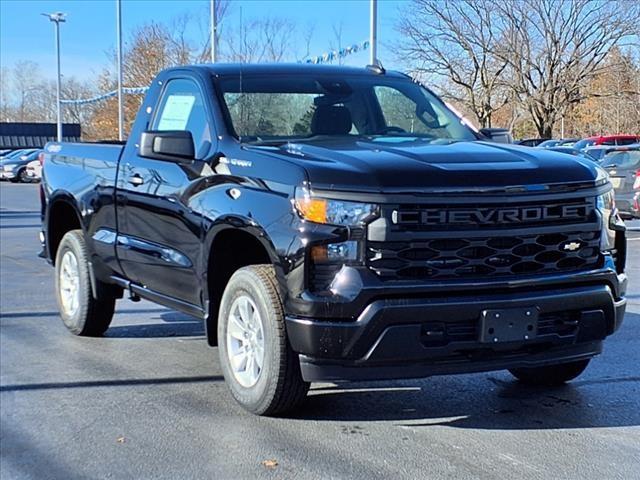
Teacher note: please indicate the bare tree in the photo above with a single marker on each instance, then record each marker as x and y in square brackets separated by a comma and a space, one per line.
[614, 99]
[337, 35]
[26, 84]
[6, 110]
[223, 9]
[307, 36]
[268, 39]
[74, 89]
[454, 40]
[554, 47]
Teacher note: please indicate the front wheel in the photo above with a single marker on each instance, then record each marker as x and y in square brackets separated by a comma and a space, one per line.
[81, 313]
[550, 375]
[261, 370]
[23, 177]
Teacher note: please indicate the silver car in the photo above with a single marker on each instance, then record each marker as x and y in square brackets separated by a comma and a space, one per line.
[623, 166]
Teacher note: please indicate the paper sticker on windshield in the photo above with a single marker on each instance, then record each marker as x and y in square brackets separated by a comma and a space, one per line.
[176, 111]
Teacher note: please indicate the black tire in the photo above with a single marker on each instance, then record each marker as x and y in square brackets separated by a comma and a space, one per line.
[279, 387]
[23, 177]
[551, 375]
[91, 317]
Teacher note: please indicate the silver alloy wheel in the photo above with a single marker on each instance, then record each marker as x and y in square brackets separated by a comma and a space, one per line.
[69, 283]
[245, 341]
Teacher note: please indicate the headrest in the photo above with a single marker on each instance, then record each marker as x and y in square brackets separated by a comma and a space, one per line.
[331, 120]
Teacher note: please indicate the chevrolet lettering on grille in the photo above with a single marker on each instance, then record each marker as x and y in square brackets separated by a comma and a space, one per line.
[496, 216]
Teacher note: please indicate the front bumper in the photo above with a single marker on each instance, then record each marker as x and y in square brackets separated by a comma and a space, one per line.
[394, 337]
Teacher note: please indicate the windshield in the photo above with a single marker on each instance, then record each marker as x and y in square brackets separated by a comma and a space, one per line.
[15, 154]
[30, 156]
[287, 108]
[584, 143]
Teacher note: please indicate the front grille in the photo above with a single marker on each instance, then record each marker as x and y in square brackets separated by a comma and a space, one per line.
[478, 257]
[492, 216]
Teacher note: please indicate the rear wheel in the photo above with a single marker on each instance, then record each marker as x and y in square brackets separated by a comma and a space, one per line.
[81, 313]
[550, 375]
[261, 370]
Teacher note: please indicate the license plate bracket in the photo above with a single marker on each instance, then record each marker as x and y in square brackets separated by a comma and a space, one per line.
[508, 325]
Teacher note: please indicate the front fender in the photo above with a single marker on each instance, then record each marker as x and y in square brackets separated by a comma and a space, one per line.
[263, 213]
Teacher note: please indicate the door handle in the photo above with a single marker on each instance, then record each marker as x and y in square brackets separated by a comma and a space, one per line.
[136, 180]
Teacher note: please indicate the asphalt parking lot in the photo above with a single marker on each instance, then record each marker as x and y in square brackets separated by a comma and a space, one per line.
[148, 401]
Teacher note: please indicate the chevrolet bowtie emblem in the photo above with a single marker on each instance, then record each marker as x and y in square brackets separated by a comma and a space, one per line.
[571, 247]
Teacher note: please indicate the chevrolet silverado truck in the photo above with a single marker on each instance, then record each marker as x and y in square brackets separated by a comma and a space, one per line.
[335, 224]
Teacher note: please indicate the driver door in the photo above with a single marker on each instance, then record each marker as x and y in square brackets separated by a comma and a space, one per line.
[159, 235]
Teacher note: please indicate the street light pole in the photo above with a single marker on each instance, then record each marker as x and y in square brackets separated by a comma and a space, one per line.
[214, 27]
[57, 18]
[373, 33]
[119, 54]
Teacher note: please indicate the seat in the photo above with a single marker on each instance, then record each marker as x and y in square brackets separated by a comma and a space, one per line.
[331, 120]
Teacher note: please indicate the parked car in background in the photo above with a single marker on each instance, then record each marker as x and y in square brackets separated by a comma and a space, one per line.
[34, 169]
[623, 166]
[531, 142]
[6, 153]
[567, 142]
[15, 154]
[549, 144]
[15, 169]
[635, 207]
[598, 151]
[574, 152]
[611, 140]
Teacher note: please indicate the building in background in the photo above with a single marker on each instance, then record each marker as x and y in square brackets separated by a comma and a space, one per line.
[35, 135]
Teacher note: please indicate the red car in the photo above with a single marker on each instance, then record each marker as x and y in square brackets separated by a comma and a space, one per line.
[606, 140]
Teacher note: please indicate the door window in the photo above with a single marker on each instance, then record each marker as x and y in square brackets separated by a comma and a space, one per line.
[182, 108]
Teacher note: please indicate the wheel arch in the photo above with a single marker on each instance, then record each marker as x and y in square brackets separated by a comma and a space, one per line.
[63, 216]
[232, 245]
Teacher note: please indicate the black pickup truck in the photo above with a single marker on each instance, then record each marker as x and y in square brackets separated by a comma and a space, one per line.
[336, 224]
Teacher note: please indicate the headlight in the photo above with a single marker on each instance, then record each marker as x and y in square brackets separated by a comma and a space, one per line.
[602, 176]
[606, 204]
[334, 212]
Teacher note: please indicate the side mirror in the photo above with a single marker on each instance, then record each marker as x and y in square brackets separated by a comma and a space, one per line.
[498, 135]
[169, 145]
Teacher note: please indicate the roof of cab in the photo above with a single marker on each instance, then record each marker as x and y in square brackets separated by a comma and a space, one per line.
[233, 69]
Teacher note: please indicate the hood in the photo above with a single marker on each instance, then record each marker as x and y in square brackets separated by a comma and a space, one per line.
[411, 165]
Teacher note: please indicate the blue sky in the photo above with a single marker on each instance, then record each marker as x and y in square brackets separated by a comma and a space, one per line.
[90, 29]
